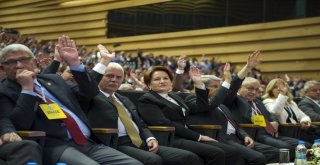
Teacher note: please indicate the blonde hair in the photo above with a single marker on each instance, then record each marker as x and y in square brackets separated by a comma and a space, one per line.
[270, 87]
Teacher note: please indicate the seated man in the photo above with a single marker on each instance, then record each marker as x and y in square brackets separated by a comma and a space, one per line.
[135, 139]
[247, 109]
[46, 103]
[14, 150]
[253, 153]
[310, 104]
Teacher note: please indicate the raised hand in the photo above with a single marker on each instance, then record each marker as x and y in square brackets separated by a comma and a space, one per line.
[181, 62]
[283, 88]
[253, 59]
[68, 51]
[137, 82]
[226, 73]
[252, 62]
[106, 56]
[195, 75]
[56, 54]
[25, 78]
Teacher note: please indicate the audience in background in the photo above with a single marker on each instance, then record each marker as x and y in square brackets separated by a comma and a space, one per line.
[279, 95]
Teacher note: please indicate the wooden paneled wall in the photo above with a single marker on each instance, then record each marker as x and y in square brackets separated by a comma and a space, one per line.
[288, 46]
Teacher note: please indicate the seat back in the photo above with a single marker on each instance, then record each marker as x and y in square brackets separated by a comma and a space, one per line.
[251, 129]
[38, 136]
[290, 130]
[132, 95]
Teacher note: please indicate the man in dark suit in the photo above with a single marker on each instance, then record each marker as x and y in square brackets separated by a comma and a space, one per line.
[310, 104]
[14, 150]
[245, 105]
[109, 109]
[231, 133]
[46, 103]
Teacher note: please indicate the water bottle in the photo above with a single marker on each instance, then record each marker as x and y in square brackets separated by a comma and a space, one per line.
[61, 164]
[32, 163]
[316, 144]
[301, 151]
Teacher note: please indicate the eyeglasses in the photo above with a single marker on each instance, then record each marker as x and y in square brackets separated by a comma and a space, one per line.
[23, 60]
[252, 89]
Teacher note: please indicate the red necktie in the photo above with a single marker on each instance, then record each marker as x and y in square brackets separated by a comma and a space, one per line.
[72, 126]
[269, 128]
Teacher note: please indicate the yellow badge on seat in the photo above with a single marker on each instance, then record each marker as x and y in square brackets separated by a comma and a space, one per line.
[52, 111]
[258, 120]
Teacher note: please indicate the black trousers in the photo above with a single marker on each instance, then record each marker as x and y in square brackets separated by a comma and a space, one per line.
[15, 153]
[211, 152]
[165, 155]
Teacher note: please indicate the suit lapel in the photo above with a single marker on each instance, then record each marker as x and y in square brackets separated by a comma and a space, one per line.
[167, 103]
[14, 89]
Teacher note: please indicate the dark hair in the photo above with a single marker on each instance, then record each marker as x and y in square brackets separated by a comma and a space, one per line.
[147, 75]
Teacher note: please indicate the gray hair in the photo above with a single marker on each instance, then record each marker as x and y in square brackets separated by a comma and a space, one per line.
[14, 48]
[309, 84]
[249, 80]
[206, 78]
[115, 65]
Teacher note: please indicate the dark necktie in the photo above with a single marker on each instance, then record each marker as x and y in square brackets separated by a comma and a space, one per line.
[235, 126]
[127, 122]
[72, 126]
[291, 114]
[269, 128]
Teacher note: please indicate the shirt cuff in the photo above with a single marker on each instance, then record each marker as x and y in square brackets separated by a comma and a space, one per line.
[138, 89]
[178, 71]
[29, 92]
[202, 86]
[226, 84]
[100, 68]
[199, 138]
[150, 138]
[80, 68]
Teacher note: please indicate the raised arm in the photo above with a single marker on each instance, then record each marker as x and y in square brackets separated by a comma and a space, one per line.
[177, 84]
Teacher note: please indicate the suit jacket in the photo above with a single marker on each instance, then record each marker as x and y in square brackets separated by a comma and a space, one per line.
[103, 113]
[310, 108]
[241, 133]
[6, 126]
[276, 107]
[156, 110]
[240, 108]
[25, 113]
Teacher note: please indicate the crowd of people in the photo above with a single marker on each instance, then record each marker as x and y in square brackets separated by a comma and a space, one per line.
[65, 91]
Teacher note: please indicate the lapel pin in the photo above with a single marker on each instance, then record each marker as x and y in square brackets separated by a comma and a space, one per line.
[49, 83]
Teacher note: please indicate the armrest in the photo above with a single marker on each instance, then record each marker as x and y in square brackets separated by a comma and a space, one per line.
[38, 136]
[161, 128]
[108, 136]
[164, 134]
[209, 127]
[31, 133]
[251, 129]
[249, 126]
[208, 130]
[315, 123]
[105, 130]
[290, 130]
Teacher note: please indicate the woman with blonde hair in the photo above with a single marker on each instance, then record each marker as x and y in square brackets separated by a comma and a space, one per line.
[279, 102]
